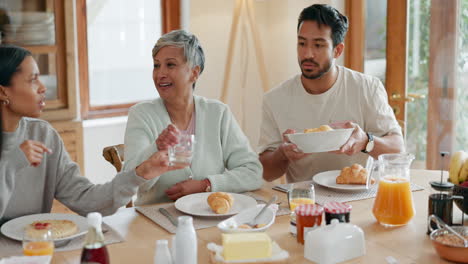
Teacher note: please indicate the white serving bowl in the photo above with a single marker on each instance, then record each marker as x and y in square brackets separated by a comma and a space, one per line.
[231, 224]
[321, 141]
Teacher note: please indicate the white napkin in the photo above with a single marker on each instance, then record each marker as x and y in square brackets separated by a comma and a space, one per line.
[273, 207]
[26, 260]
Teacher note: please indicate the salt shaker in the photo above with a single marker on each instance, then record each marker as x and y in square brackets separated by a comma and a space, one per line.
[162, 256]
[185, 242]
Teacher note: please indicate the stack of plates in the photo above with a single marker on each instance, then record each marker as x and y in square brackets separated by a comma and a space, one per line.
[30, 28]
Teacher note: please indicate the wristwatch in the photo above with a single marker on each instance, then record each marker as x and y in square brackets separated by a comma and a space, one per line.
[370, 143]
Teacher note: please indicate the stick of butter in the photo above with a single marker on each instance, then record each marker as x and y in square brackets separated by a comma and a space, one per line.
[241, 246]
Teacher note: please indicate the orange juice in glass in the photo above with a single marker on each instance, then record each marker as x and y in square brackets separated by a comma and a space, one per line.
[38, 248]
[393, 205]
[40, 244]
[301, 193]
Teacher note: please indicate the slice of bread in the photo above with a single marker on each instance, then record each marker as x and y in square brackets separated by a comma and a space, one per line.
[58, 228]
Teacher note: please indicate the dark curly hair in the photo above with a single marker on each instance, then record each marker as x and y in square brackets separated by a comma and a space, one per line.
[329, 16]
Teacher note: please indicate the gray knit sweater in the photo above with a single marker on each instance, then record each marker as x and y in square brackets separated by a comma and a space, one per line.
[29, 190]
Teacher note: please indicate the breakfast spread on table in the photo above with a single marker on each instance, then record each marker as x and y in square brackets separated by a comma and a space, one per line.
[220, 202]
[58, 228]
[355, 174]
[322, 128]
[313, 220]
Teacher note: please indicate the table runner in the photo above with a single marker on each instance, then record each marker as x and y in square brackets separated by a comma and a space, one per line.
[324, 194]
[199, 222]
[10, 247]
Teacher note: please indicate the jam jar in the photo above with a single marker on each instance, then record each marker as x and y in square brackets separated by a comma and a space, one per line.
[308, 217]
[337, 210]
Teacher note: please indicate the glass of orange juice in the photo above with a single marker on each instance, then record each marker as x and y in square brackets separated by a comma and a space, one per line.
[393, 205]
[38, 244]
[301, 193]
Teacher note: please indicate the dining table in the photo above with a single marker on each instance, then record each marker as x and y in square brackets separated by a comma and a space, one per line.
[405, 244]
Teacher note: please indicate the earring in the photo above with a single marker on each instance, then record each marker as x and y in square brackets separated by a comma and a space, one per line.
[6, 102]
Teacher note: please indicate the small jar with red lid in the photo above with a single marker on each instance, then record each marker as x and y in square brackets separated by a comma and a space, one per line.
[337, 210]
[308, 217]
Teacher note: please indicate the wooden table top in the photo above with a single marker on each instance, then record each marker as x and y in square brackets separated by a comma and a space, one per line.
[408, 244]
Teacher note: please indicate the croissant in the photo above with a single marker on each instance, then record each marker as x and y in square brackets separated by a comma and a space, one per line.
[318, 129]
[355, 174]
[220, 202]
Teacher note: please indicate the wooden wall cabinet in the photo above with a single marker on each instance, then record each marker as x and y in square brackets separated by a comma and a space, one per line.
[72, 136]
[46, 28]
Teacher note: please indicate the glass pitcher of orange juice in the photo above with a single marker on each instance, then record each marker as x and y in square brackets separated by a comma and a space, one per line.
[393, 204]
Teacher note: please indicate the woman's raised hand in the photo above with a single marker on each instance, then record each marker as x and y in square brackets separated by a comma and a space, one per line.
[168, 137]
[34, 151]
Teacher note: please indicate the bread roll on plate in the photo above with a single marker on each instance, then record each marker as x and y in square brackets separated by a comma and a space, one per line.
[220, 202]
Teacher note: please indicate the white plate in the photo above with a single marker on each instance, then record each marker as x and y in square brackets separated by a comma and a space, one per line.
[15, 228]
[321, 141]
[231, 224]
[196, 204]
[328, 179]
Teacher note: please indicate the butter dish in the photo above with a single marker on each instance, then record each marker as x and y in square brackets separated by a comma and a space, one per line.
[334, 243]
[279, 256]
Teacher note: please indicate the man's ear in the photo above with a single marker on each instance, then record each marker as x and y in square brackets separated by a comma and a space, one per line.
[338, 50]
[195, 73]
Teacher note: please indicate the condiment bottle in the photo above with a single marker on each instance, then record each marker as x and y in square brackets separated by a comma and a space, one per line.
[337, 210]
[292, 224]
[162, 254]
[308, 217]
[185, 246]
[94, 250]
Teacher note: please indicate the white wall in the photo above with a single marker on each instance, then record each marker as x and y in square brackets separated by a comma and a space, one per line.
[277, 22]
[98, 134]
[211, 22]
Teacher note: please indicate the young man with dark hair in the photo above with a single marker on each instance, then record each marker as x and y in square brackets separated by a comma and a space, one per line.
[325, 93]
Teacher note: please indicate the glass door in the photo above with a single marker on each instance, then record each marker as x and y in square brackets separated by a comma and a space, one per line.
[425, 64]
[437, 68]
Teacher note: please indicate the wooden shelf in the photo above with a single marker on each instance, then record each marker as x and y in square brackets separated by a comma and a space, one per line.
[41, 49]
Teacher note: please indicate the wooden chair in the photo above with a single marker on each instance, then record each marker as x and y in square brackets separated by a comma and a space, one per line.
[115, 155]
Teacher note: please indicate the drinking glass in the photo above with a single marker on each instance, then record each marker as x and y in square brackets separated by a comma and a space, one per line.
[301, 193]
[393, 205]
[41, 244]
[182, 153]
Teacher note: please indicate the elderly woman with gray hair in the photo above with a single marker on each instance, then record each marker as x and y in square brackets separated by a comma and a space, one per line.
[222, 158]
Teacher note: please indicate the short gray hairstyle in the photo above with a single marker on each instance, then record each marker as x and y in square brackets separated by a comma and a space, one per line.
[193, 51]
